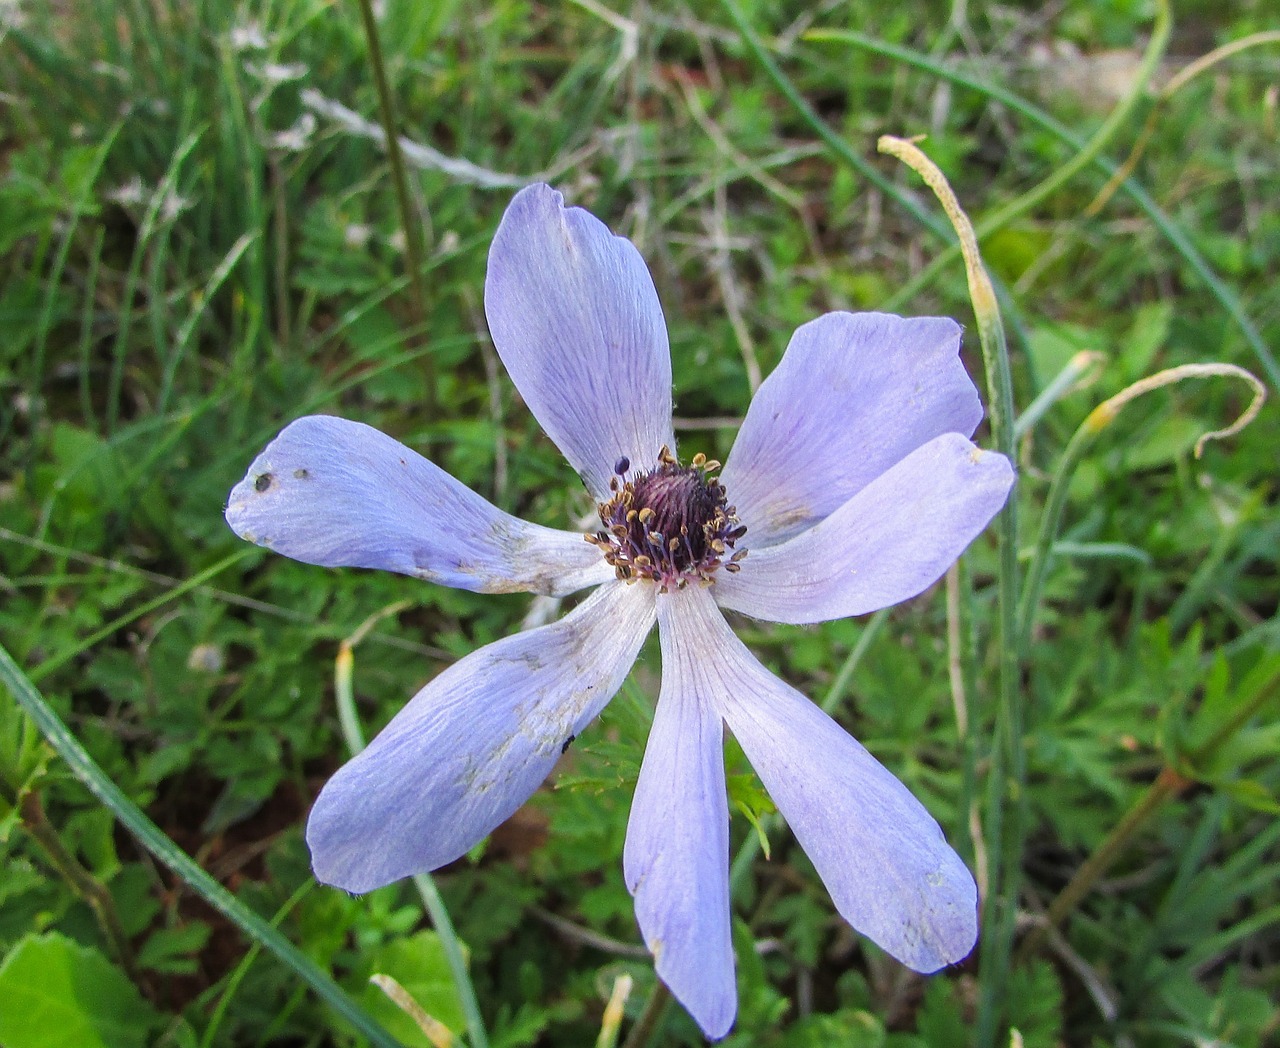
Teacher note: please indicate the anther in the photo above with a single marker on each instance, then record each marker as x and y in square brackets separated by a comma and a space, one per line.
[668, 525]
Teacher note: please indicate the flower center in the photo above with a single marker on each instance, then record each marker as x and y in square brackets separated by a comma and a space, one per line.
[670, 524]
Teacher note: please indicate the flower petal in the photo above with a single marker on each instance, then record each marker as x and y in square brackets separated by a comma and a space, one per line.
[676, 861]
[889, 542]
[341, 494]
[854, 394]
[474, 744]
[883, 858]
[576, 319]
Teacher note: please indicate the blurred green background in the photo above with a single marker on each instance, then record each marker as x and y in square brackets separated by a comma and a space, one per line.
[201, 241]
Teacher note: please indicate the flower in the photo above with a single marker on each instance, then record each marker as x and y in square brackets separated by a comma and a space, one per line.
[852, 485]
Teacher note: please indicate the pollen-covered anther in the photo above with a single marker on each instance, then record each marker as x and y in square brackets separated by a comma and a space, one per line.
[670, 524]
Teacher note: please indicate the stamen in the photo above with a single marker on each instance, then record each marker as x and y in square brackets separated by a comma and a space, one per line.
[683, 528]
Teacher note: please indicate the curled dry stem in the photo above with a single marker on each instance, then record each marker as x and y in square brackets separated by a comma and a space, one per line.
[1175, 83]
[906, 150]
[1105, 413]
[1096, 421]
[1007, 775]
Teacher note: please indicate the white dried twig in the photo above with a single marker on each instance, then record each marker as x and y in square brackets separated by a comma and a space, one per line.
[415, 153]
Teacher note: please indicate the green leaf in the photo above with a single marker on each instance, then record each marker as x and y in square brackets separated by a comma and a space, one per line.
[24, 757]
[1035, 1005]
[1146, 336]
[173, 950]
[748, 796]
[1170, 439]
[941, 1023]
[418, 964]
[59, 994]
[1252, 794]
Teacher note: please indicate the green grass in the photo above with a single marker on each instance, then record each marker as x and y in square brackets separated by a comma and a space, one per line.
[180, 276]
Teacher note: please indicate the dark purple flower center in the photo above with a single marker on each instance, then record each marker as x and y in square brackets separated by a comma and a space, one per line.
[670, 524]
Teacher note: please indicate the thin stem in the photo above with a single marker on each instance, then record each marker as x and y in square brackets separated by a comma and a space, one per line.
[1218, 54]
[195, 582]
[1249, 708]
[1079, 443]
[1085, 155]
[1258, 689]
[443, 924]
[82, 882]
[1092, 149]
[232, 985]
[650, 1021]
[962, 677]
[1008, 762]
[54, 284]
[1081, 370]
[349, 721]
[142, 244]
[1168, 784]
[280, 243]
[415, 252]
[151, 837]
[833, 141]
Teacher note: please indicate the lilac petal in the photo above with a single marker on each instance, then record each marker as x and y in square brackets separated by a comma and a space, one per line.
[341, 494]
[883, 858]
[474, 744]
[575, 317]
[854, 394]
[676, 861]
[889, 542]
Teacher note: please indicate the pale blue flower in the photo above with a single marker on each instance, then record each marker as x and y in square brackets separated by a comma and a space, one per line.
[852, 485]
